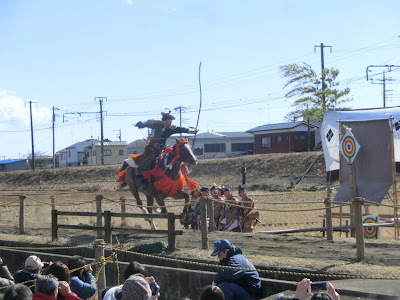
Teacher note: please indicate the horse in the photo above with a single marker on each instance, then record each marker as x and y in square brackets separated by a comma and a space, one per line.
[165, 179]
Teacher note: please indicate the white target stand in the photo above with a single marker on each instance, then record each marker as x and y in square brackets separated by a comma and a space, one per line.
[349, 148]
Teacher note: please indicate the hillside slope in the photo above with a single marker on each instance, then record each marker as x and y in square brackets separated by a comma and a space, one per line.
[261, 168]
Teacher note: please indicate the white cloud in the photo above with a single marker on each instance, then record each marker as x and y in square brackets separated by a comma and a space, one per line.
[128, 2]
[14, 112]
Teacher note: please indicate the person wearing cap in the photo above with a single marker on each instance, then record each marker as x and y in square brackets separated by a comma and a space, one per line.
[162, 130]
[137, 287]
[6, 278]
[248, 216]
[230, 221]
[31, 271]
[241, 283]
[134, 268]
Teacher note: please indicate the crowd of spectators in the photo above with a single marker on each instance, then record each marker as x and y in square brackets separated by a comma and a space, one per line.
[230, 213]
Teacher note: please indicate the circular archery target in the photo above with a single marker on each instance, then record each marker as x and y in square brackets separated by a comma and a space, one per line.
[370, 232]
[349, 147]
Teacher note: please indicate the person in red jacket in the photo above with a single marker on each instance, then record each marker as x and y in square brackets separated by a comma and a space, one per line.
[47, 287]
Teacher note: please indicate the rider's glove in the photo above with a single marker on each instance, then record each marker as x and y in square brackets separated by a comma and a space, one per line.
[140, 124]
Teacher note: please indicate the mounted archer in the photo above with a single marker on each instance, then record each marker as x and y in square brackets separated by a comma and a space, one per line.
[158, 174]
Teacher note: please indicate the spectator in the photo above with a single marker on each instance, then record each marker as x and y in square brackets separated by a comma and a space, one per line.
[302, 291]
[205, 192]
[212, 292]
[82, 281]
[6, 278]
[192, 217]
[241, 283]
[31, 271]
[248, 216]
[17, 292]
[47, 287]
[243, 171]
[218, 205]
[138, 288]
[61, 272]
[230, 220]
[115, 293]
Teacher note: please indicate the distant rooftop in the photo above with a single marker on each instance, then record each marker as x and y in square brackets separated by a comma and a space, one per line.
[219, 135]
[118, 143]
[278, 126]
[10, 161]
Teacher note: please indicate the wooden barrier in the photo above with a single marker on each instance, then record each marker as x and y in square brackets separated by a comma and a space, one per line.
[21, 214]
[107, 228]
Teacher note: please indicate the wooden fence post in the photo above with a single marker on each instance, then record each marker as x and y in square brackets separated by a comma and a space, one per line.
[123, 210]
[21, 214]
[53, 202]
[328, 213]
[54, 225]
[357, 203]
[99, 215]
[99, 252]
[210, 214]
[107, 226]
[171, 232]
[204, 229]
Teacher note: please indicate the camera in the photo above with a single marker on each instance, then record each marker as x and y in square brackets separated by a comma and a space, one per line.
[316, 287]
[46, 264]
[155, 288]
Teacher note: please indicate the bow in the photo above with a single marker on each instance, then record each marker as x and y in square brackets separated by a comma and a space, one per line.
[201, 98]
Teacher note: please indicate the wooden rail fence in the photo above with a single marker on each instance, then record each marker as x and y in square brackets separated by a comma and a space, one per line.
[107, 228]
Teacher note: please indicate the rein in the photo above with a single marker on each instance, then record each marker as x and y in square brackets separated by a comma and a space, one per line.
[172, 151]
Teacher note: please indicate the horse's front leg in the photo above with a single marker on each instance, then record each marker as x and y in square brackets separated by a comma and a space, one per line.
[150, 204]
[183, 195]
[161, 203]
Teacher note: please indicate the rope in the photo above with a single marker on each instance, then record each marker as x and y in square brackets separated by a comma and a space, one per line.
[304, 274]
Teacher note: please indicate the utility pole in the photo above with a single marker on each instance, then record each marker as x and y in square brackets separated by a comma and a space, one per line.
[180, 108]
[322, 46]
[101, 99]
[33, 147]
[54, 153]
[384, 79]
[119, 135]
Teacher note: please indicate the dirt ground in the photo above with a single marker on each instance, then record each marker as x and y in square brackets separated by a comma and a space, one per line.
[268, 181]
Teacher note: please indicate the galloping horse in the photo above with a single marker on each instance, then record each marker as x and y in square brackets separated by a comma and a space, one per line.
[165, 179]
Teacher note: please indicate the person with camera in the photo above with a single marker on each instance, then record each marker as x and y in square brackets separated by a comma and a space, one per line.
[241, 280]
[83, 282]
[6, 278]
[134, 268]
[47, 287]
[306, 288]
[30, 272]
[138, 287]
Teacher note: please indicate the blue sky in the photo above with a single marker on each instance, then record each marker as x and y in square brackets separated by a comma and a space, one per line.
[144, 56]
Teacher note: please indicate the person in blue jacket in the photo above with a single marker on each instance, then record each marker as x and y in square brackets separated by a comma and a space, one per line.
[83, 282]
[241, 283]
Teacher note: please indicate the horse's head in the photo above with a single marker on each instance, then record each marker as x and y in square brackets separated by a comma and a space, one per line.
[185, 151]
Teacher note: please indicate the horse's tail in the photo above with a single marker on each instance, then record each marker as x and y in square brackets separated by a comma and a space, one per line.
[121, 175]
[124, 166]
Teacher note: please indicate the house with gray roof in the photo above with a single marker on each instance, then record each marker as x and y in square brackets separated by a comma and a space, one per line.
[220, 144]
[285, 137]
[74, 154]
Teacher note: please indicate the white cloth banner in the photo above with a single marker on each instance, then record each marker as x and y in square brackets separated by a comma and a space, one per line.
[330, 130]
